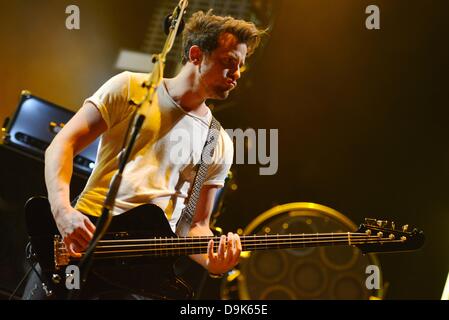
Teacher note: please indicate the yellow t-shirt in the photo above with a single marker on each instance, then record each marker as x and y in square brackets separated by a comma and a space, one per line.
[162, 165]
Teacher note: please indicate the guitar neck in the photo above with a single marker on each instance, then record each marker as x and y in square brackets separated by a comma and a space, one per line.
[372, 236]
[199, 245]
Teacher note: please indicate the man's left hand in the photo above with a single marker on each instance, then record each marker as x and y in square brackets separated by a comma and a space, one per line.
[227, 256]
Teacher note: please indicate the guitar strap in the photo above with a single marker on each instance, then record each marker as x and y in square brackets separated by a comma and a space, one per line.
[185, 221]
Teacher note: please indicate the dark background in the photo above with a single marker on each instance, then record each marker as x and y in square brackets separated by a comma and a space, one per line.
[361, 114]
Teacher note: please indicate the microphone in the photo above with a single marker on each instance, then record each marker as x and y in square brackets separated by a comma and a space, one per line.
[168, 22]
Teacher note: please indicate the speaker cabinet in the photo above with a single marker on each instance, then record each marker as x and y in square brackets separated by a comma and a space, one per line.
[21, 176]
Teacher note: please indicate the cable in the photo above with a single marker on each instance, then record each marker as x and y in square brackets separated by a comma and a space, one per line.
[13, 294]
[28, 256]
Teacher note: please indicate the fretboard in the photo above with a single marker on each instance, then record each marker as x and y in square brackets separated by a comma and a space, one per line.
[198, 245]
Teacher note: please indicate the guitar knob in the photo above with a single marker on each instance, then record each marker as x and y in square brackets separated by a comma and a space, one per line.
[47, 291]
[405, 228]
[56, 278]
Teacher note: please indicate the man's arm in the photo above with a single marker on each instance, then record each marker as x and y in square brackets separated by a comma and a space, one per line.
[229, 248]
[79, 132]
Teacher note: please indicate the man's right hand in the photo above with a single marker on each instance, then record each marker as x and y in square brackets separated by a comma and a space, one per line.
[76, 229]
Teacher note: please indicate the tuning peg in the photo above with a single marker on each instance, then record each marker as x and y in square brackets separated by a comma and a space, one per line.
[382, 223]
[370, 222]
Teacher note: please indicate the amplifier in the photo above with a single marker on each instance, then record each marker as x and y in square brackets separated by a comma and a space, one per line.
[34, 125]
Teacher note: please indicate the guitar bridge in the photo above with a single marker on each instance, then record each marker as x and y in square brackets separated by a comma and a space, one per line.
[61, 255]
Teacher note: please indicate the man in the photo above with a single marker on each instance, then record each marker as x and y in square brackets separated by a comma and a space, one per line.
[215, 49]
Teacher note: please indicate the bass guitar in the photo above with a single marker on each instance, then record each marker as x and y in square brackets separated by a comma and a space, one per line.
[143, 237]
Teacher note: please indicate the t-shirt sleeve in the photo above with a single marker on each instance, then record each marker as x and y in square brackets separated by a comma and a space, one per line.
[222, 161]
[112, 99]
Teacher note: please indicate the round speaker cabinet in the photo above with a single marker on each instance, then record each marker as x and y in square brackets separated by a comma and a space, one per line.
[322, 272]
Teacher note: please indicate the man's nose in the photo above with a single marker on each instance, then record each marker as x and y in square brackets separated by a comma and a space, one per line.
[236, 74]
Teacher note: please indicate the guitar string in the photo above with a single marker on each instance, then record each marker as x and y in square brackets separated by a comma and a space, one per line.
[242, 237]
[243, 241]
[372, 241]
[176, 252]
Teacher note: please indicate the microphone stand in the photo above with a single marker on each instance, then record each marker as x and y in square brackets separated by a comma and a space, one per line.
[151, 84]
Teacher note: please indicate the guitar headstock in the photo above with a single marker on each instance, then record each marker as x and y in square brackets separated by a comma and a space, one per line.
[387, 236]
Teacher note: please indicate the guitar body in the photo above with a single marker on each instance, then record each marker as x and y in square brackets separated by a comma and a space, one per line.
[152, 277]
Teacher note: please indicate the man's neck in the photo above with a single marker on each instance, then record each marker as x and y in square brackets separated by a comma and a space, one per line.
[186, 91]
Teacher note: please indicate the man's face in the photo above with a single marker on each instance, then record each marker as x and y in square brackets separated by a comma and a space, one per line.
[220, 70]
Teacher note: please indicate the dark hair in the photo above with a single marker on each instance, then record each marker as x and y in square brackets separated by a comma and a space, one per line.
[204, 29]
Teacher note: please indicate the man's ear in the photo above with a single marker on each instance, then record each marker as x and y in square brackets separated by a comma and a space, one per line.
[195, 55]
